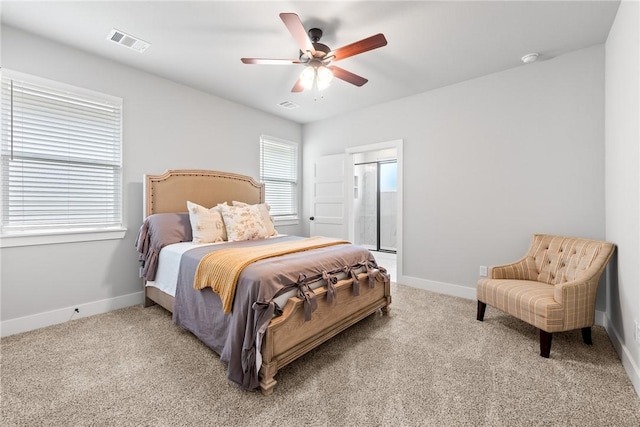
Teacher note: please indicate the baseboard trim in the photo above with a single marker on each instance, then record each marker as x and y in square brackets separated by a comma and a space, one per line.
[54, 317]
[630, 366]
[439, 287]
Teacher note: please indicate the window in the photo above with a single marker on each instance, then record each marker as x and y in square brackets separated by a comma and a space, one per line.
[279, 172]
[60, 160]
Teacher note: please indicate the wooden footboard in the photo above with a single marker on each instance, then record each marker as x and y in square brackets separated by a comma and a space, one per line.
[289, 336]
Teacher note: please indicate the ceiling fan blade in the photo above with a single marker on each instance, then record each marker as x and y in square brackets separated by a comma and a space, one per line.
[294, 25]
[361, 46]
[297, 87]
[267, 61]
[347, 76]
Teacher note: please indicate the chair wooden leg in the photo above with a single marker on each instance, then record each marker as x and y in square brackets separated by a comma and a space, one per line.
[481, 308]
[586, 336]
[545, 343]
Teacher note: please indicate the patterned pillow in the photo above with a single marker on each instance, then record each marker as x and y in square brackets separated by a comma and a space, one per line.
[267, 221]
[207, 225]
[243, 222]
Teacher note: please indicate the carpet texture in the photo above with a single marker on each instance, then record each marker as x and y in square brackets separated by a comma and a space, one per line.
[429, 363]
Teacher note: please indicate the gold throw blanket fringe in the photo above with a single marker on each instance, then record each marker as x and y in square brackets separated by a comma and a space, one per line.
[220, 269]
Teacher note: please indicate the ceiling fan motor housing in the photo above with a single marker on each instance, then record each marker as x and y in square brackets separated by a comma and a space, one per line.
[321, 51]
[315, 34]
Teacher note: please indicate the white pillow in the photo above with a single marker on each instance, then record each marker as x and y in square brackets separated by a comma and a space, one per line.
[267, 220]
[243, 222]
[207, 225]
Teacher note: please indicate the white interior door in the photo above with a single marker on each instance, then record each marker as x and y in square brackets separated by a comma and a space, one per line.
[328, 209]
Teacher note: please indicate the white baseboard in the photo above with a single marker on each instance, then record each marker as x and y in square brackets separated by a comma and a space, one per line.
[54, 317]
[40, 320]
[630, 366]
[601, 318]
[439, 287]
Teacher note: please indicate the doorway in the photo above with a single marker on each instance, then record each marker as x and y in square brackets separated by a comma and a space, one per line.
[375, 191]
[387, 243]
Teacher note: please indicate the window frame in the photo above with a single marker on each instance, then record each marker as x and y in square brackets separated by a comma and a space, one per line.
[71, 233]
[292, 218]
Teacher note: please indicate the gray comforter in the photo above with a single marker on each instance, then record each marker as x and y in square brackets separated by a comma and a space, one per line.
[233, 335]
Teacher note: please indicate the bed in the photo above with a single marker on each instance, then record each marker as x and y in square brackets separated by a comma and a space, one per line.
[284, 305]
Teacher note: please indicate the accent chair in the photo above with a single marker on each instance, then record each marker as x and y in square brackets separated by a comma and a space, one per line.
[553, 287]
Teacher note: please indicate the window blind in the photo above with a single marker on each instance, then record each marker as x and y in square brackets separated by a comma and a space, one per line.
[279, 172]
[60, 154]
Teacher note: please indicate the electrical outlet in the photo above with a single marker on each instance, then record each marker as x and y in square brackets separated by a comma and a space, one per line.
[483, 271]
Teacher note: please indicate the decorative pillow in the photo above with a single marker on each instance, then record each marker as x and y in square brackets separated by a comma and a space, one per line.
[168, 228]
[267, 220]
[243, 222]
[158, 231]
[207, 225]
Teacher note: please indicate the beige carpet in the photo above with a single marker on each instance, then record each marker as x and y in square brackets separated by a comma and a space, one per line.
[429, 363]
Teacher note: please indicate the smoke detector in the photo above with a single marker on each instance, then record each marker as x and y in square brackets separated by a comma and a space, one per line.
[127, 40]
[530, 57]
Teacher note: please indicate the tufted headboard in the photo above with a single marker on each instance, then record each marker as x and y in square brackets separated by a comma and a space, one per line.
[169, 191]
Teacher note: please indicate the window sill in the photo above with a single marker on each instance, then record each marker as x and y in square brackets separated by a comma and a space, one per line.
[286, 221]
[62, 236]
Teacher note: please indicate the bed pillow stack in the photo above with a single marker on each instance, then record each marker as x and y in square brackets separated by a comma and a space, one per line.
[236, 222]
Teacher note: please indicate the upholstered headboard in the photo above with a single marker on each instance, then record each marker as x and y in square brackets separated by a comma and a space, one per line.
[169, 192]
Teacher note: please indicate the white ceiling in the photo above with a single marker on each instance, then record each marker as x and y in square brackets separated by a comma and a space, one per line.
[430, 44]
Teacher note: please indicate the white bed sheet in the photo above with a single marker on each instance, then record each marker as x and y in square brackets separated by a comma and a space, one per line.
[169, 265]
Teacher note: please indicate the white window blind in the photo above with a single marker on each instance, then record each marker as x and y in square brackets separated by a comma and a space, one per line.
[60, 157]
[279, 172]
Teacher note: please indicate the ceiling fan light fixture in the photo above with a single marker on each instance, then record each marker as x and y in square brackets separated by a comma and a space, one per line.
[323, 77]
[307, 77]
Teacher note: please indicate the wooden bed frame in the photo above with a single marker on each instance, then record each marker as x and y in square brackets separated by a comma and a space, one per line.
[288, 336]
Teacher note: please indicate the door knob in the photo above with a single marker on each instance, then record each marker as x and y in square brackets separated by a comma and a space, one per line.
[311, 218]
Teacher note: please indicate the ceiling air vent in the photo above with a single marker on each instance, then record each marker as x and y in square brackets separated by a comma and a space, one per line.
[128, 40]
[288, 105]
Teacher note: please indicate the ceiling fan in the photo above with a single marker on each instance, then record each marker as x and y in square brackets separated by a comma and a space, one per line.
[317, 57]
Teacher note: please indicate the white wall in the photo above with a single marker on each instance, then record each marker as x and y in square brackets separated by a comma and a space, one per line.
[166, 126]
[487, 163]
[623, 182]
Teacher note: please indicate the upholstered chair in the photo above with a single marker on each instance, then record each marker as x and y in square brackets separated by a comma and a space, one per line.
[553, 287]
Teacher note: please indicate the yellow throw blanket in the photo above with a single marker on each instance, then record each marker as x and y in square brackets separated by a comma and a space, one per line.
[220, 270]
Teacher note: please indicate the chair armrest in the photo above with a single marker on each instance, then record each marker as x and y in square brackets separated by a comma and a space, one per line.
[578, 297]
[578, 300]
[568, 293]
[564, 293]
[518, 270]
